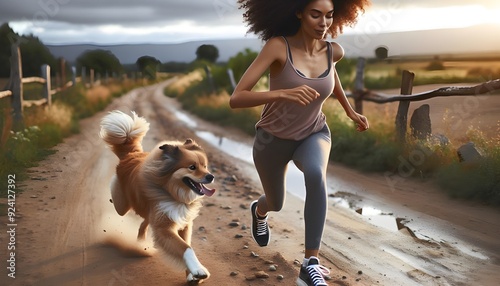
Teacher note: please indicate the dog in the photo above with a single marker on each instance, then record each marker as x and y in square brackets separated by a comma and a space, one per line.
[164, 187]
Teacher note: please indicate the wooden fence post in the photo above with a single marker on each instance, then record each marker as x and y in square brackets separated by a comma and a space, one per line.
[73, 75]
[359, 85]
[84, 76]
[62, 65]
[47, 86]
[404, 105]
[91, 77]
[231, 78]
[16, 76]
[58, 79]
[210, 78]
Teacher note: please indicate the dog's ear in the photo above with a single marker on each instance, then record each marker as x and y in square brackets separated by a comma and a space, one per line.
[190, 144]
[169, 150]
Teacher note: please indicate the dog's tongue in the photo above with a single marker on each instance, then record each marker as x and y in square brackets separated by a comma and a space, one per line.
[206, 191]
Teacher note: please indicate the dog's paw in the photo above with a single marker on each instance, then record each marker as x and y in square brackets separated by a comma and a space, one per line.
[196, 277]
[201, 273]
[195, 269]
[191, 281]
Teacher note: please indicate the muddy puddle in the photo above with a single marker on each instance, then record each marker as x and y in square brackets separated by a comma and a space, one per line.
[421, 229]
[426, 230]
[373, 215]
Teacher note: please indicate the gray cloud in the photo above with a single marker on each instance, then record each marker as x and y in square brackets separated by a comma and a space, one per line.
[69, 21]
[122, 12]
[147, 12]
[58, 21]
[431, 3]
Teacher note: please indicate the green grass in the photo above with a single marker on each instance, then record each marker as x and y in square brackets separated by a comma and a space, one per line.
[387, 74]
[478, 183]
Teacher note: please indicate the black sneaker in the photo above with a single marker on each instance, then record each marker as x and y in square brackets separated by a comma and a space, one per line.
[312, 274]
[260, 229]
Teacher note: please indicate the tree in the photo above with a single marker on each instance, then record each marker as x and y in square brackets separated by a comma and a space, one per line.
[381, 53]
[34, 54]
[207, 52]
[435, 65]
[148, 66]
[7, 38]
[241, 62]
[101, 61]
[173, 66]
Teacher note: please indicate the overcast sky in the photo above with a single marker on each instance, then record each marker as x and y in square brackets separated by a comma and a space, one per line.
[169, 21]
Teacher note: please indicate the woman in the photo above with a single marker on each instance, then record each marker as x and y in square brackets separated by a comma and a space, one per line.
[292, 126]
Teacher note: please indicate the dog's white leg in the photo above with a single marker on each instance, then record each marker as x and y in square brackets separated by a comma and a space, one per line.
[196, 269]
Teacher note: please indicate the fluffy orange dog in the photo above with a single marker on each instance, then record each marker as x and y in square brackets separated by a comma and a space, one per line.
[164, 186]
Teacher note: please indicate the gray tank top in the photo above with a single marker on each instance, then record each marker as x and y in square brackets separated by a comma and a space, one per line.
[288, 120]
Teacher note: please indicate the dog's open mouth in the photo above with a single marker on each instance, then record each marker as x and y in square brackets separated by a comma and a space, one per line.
[198, 188]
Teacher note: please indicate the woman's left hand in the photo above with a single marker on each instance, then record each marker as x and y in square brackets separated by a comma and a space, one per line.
[361, 122]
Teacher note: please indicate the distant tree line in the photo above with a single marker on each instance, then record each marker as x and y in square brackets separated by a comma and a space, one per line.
[33, 51]
[35, 54]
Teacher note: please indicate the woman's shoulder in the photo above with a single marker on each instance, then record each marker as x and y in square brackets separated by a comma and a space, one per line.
[275, 42]
[337, 51]
[276, 47]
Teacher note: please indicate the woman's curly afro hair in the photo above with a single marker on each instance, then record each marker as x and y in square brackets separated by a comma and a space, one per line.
[271, 18]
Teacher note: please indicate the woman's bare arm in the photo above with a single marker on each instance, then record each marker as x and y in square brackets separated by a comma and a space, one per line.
[361, 121]
[243, 96]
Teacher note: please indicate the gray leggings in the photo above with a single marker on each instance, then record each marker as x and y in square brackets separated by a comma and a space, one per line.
[271, 156]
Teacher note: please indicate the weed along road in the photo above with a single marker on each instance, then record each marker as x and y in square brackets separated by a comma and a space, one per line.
[68, 233]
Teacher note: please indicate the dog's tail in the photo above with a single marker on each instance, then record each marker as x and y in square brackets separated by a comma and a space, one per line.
[123, 133]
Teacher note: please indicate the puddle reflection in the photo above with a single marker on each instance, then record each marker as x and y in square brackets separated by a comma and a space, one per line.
[184, 118]
[379, 218]
[373, 215]
[231, 147]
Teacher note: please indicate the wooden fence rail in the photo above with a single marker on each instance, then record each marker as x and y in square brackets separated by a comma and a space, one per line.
[361, 94]
[368, 95]
[15, 87]
[16, 81]
[5, 93]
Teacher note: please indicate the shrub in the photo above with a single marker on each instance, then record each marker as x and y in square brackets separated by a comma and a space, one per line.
[375, 150]
[435, 65]
[482, 74]
[479, 183]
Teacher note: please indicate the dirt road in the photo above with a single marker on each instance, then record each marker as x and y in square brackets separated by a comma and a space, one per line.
[67, 232]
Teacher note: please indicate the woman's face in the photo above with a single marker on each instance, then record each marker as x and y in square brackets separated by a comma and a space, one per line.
[316, 18]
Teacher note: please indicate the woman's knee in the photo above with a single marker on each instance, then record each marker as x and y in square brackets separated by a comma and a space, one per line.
[315, 173]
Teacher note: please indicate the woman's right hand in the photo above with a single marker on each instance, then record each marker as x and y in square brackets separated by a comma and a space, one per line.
[302, 95]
